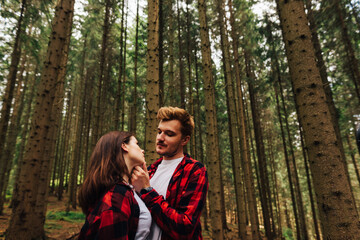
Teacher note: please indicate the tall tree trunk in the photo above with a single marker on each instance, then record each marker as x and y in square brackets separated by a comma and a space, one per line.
[232, 120]
[11, 80]
[293, 168]
[123, 90]
[133, 112]
[181, 63]
[324, 78]
[308, 180]
[8, 155]
[301, 228]
[190, 78]
[260, 150]
[64, 146]
[119, 82]
[352, 61]
[288, 168]
[212, 147]
[171, 39]
[152, 80]
[97, 129]
[338, 213]
[276, 189]
[25, 130]
[24, 213]
[161, 53]
[244, 149]
[79, 123]
[198, 127]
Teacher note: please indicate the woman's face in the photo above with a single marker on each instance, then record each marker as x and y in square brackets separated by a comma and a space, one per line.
[135, 155]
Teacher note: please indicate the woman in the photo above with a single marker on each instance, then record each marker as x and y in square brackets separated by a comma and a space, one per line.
[112, 208]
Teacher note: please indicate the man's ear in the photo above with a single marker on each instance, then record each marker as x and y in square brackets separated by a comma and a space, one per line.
[185, 140]
[124, 147]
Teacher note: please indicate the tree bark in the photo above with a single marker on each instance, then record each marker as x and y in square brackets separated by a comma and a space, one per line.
[352, 61]
[25, 209]
[212, 147]
[133, 112]
[181, 63]
[232, 120]
[171, 39]
[119, 82]
[97, 129]
[7, 156]
[337, 207]
[11, 81]
[152, 80]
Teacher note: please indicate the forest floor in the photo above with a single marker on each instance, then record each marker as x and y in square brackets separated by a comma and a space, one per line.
[60, 225]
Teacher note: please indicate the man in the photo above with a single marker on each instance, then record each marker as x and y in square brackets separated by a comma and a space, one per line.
[176, 191]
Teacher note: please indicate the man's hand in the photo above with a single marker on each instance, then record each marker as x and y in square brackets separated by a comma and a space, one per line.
[140, 178]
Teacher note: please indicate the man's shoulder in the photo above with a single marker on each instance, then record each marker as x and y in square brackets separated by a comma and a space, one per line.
[195, 163]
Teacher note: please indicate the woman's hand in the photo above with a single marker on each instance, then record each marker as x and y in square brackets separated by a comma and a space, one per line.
[140, 178]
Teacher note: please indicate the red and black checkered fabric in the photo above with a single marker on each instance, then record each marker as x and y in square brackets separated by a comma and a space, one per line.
[179, 215]
[116, 216]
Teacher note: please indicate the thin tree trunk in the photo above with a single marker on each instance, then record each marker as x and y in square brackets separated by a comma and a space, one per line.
[25, 215]
[171, 54]
[25, 130]
[352, 61]
[79, 123]
[64, 146]
[123, 91]
[119, 84]
[11, 80]
[338, 213]
[161, 53]
[133, 112]
[190, 78]
[312, 200]
[198, 127]
[232, 121]
[288, 168]
[211, 127]
[97, 129]
[181, 64]
[152, 78]
[8, 154]
[264, 181]
[356, 167]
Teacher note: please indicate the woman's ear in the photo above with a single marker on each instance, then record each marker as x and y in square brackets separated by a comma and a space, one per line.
[124, 147]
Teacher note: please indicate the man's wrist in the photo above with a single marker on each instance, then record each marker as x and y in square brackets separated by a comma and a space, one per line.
[145, 190]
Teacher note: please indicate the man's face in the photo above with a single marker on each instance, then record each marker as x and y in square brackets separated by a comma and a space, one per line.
[169, 140]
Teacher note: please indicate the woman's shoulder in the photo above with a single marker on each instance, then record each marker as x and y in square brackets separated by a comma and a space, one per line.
[123, 190]
[122, 193]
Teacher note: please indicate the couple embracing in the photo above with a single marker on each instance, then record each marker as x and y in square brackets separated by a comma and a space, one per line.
[123, 199]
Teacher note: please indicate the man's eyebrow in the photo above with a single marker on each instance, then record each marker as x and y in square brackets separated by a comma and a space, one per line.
[169, 131]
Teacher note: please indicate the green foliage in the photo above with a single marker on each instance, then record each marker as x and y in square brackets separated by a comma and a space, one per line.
[288, 234]
[66, 216]
[52, 226]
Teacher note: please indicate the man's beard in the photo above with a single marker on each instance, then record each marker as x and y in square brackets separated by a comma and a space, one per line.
[170, 154]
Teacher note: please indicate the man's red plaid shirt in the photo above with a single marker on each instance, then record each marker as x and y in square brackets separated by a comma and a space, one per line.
[179, 215]
[116, 216]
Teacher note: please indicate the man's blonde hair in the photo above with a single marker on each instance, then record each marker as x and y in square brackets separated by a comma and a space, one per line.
[175, 113]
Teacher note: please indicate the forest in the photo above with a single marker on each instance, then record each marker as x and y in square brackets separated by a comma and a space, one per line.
[273, 86]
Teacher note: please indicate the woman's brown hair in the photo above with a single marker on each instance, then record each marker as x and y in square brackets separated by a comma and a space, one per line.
[106, 168]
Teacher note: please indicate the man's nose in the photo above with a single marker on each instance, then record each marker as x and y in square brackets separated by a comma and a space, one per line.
[160, 136]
